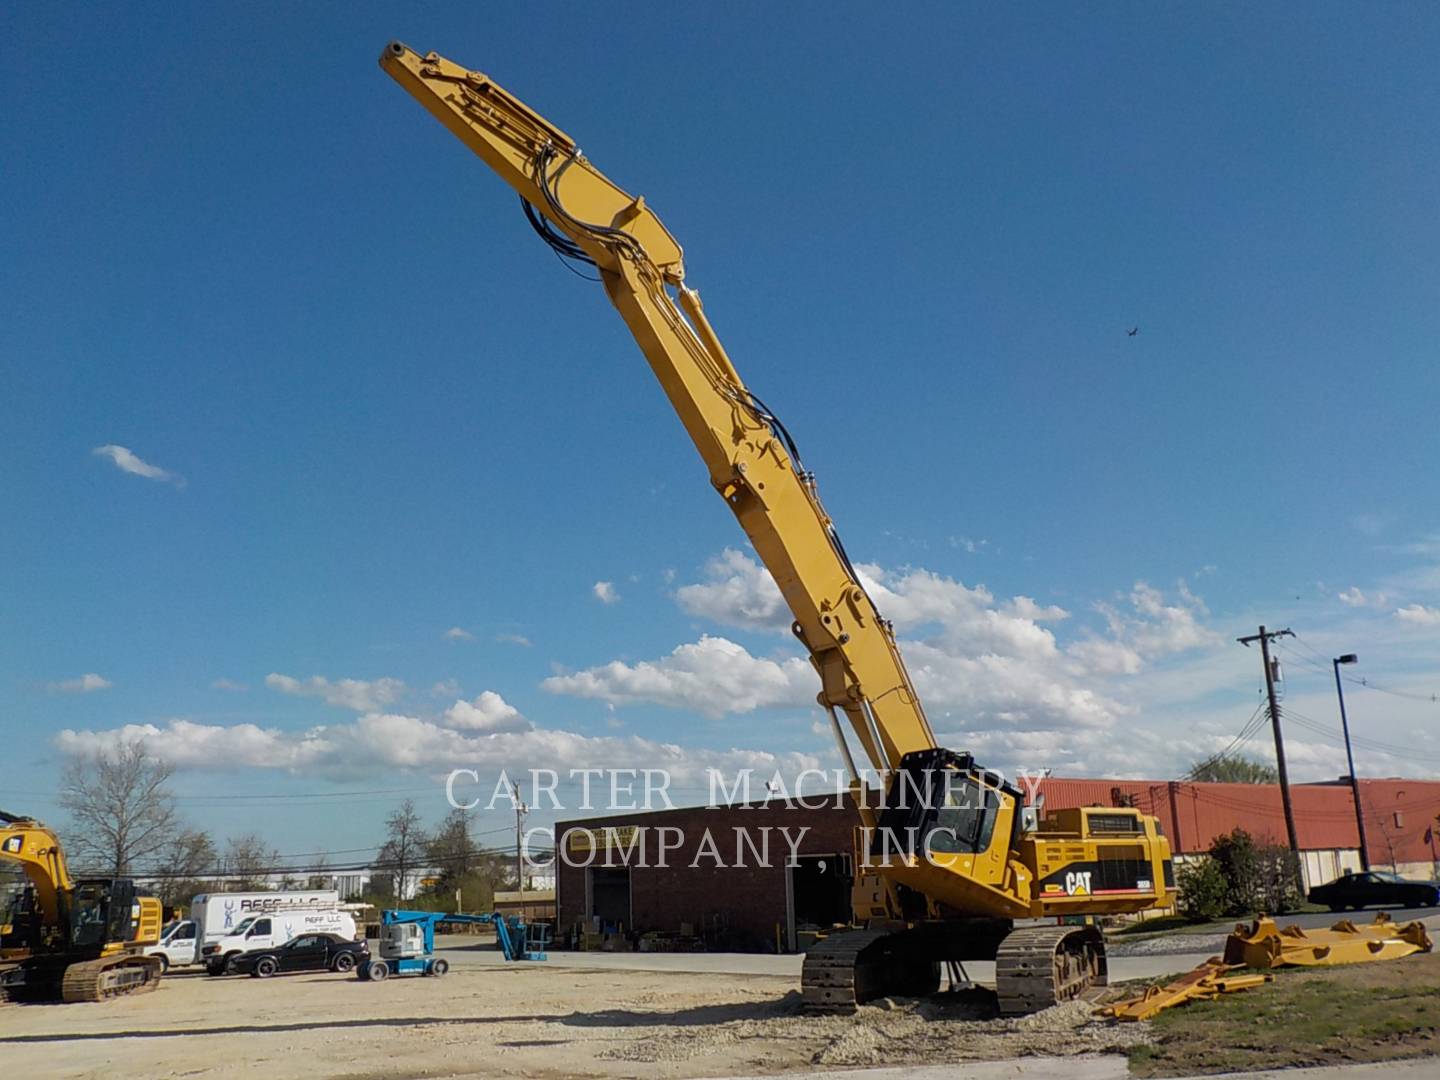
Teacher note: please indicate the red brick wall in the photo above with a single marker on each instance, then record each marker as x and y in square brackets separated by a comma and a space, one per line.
[751, 898]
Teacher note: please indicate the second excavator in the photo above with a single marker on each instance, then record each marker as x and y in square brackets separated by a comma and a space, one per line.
[950, 861]
[72, 940]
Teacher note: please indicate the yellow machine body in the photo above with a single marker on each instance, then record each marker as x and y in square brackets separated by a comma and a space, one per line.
[985, 866]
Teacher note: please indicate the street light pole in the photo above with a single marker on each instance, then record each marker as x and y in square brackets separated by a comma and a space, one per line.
[1350, 658]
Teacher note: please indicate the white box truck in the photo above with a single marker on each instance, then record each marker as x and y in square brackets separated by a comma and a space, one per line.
[228, 924]
[178, 946]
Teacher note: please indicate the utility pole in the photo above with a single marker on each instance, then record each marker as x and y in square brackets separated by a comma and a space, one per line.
[1265, 638]
[1350, 658]
[520, 811]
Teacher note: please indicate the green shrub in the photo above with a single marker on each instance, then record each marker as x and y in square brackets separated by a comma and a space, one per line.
[1203, 890]
[1258, 877]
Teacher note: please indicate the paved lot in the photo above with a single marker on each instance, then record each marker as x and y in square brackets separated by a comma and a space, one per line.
[461, 953]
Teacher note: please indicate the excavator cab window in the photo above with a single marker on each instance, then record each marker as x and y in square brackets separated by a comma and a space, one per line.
[939, 801]
[101, 912]
[89, 914]
[965, 821]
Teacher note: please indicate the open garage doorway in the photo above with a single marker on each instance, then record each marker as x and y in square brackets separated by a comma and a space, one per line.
[818, 888]
[607, 896]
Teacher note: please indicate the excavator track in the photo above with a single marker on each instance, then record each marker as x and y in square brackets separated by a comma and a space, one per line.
[110, 977]
[851, 967]
[1040, 966]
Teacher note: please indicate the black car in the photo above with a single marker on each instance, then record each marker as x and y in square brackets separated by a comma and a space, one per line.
[1375, 889]
[309, 952]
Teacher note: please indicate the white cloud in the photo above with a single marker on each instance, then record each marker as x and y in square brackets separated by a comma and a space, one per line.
[229, 684]
[996, 663]
[457, 633]
[189, 745]
[1105, 657]
[127, 461]
[1354, 597]
[1154, 628]
[738, 592]
[354, 694]
[487, 713]
[85, 684]
[605, 592]
[385, 741]
[1418, 615]
[445, 688]
[514, 639]
[713, 676]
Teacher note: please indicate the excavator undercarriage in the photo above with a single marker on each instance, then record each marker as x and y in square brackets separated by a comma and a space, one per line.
[1035, 966]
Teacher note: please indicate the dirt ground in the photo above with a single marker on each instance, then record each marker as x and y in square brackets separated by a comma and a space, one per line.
[546, 1020]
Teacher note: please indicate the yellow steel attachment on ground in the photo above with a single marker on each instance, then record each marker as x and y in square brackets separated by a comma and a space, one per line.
[1264, 945]
[1209, 980]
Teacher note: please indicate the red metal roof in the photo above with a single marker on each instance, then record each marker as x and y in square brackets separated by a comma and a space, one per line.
[1194, 814]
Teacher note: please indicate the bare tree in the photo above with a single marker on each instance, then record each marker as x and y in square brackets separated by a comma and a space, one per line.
[320, 876]
[184, 865]
[249, 860]
[121, 810]
[405, 845]
[452, 849]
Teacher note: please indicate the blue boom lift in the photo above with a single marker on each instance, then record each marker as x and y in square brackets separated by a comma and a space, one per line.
[407, 942]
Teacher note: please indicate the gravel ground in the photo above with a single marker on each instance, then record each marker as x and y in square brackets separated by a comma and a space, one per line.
[535, 1021]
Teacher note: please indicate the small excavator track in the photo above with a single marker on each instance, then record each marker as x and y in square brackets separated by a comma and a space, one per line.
[1040, 966]
[110, 977]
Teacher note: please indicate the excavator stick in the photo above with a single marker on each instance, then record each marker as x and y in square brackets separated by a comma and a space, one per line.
[1264, 945]
[1208, 981]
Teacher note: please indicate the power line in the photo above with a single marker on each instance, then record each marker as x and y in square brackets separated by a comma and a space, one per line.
[1248, 732]
[1320, 663]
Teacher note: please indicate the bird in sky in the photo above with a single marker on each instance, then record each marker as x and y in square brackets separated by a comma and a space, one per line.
[1132, 331]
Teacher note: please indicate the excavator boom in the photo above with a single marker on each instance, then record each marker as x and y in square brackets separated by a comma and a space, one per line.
[751, 461]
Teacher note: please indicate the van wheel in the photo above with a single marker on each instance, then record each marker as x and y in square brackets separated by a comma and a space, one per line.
[227, 966]
[266, 966]
[344, 962]
[439, 967]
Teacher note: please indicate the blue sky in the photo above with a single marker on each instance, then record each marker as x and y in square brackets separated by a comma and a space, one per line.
[237, 250]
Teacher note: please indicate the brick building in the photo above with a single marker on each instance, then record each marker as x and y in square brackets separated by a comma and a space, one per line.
[1401, 828]
[730, 896]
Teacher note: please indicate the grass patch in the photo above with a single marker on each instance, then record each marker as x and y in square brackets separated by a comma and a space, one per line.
[1318, 1016]
[1161, 923]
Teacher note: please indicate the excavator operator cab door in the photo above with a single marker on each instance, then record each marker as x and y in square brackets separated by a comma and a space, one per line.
[102, 913]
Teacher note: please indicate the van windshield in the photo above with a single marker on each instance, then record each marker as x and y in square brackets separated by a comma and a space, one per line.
[243, 925]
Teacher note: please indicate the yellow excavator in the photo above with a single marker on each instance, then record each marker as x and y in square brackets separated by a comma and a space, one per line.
[72, 940]
[949, 861]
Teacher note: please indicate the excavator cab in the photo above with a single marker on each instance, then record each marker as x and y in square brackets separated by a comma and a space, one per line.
[104, 915]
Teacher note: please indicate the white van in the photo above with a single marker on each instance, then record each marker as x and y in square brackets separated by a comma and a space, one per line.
[218, 914]
[278, 925]
[178, 945]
